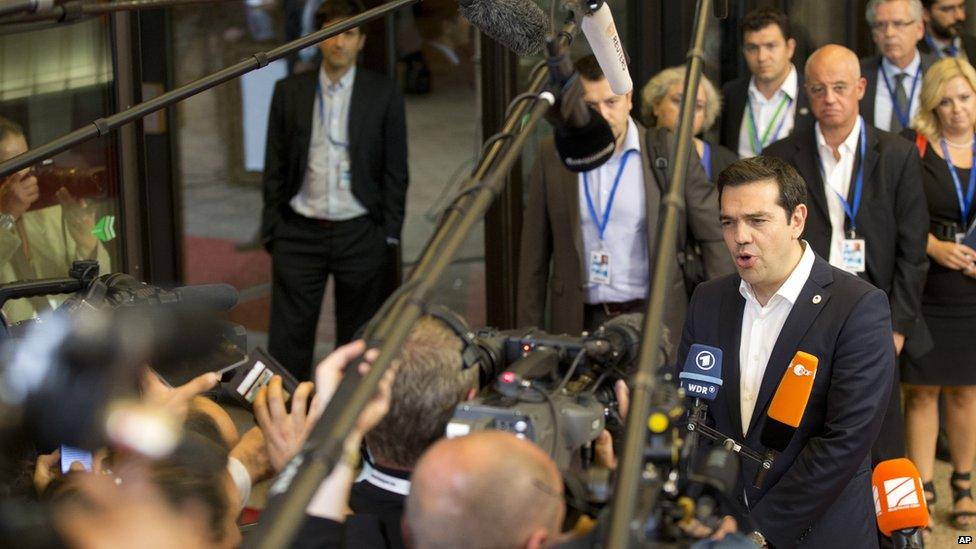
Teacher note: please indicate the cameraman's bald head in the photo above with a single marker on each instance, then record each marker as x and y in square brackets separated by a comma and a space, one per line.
[485, 490]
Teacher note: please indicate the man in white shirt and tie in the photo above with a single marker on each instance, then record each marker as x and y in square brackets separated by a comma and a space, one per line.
[894, 76]
[765, 105]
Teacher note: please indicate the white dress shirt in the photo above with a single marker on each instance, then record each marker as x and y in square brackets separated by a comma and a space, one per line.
[837, 180]
[326, 192]
[763, 110]
[760, 330]
[883, 104]
[625, 238]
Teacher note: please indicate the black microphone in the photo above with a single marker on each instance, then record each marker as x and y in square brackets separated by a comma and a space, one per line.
[215, 297]
[583, 138]
[519, 25]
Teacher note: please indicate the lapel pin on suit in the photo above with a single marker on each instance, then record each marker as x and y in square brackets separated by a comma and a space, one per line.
[816, 299]
[804, 111]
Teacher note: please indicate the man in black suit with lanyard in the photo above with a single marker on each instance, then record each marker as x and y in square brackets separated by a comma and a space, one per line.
[766, 105]
[944, 36]
[785, 299]
[894, 76]
[335, 183]
[867, 212]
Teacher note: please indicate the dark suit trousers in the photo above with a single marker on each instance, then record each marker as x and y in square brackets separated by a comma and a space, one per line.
[304, 253]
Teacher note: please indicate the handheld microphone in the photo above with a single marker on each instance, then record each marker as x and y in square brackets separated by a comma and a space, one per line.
[601, 33]
[899, 502]
[584, 140]
[789, 402]
[518, 25]
[701, 376]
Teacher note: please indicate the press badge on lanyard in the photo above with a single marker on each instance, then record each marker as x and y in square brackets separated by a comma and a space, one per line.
[600, 264]
[853, 249]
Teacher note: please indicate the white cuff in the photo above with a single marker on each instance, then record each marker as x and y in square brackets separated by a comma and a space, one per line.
[241, 478]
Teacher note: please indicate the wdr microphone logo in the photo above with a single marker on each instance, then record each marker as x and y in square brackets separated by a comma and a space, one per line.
[900, 493]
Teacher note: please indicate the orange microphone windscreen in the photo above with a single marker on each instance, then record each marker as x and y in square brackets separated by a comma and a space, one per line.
[790, 400]
[899, 500]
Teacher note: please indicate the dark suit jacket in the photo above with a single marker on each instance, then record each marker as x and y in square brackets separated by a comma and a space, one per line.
[551, 232]
[893, 218]
[818, 492]
[968, 45]
[734, 97]
[377, 148]
[869, 70]
[722, 157]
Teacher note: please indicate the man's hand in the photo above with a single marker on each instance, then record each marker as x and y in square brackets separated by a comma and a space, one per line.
[603, 453]
[284, 432]
[899, 342]
[79, 218]
[46, 468]
[252, 452]
[329, 373]
[175, 400]
[18, 192]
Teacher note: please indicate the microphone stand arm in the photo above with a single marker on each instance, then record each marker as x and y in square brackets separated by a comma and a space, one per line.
[103, 126]
[300, 479]
[625, 494]
[696, 424]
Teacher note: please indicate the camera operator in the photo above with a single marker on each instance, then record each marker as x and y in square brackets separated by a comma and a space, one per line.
[428, 385]
[39, 243]
[488, 489]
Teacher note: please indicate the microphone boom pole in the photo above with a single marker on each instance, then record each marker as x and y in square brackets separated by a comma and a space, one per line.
[301, 477]
[625, 493]
[103, 126]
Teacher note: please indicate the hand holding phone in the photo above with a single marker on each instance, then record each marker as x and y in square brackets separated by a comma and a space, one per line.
[71, 455]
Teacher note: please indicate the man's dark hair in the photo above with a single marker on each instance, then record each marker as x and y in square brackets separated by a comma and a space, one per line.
[9, 128]
[331, 10]
[589, 68]
[763, 17]
[927, 4]
[792, 189]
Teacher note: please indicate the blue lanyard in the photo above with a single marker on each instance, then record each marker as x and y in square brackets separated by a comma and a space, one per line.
[851, 209]
[602, 226]
[964, 204]
[953, 51]
[903, 117]
[325, 124]
[759, 142]
[706, 159]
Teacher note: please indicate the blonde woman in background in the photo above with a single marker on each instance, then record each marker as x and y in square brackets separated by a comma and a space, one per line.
[661, 105]
[943, 131]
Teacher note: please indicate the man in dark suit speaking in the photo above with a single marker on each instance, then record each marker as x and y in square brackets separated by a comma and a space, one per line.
[786, 299]
[335, 184]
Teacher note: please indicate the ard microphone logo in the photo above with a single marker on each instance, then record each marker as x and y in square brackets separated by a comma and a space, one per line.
[705, 360]
[900, 493]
